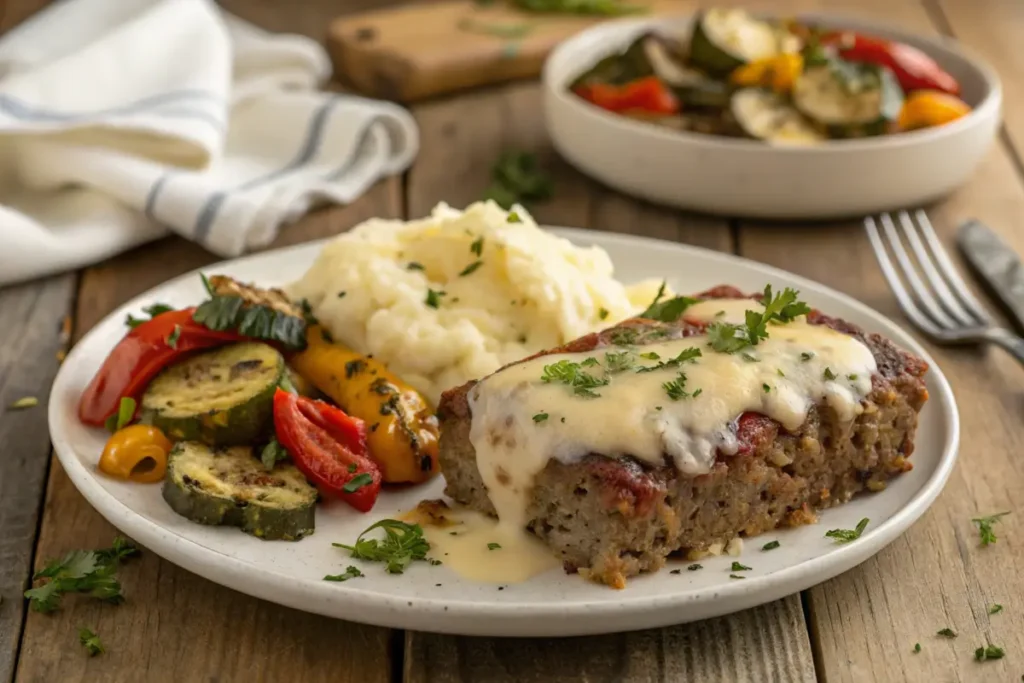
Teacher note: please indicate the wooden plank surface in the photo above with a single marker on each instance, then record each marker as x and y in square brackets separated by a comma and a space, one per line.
[866, 622]
[176, 626]
[766, 644]
[30, 336]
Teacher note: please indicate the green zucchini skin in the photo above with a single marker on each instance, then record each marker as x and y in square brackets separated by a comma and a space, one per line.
[230, 487]
[223, 397]
[707, 52]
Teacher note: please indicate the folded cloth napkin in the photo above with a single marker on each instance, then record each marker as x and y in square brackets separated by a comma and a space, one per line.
[123, 119]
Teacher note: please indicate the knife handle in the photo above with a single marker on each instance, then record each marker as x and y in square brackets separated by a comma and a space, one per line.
[997, 266]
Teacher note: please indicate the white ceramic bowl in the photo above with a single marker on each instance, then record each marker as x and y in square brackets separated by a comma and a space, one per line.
[752, 179]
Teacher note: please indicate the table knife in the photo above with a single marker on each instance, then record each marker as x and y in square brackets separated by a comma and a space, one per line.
[996, 265]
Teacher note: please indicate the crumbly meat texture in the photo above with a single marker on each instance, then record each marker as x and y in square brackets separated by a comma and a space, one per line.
[611, 518]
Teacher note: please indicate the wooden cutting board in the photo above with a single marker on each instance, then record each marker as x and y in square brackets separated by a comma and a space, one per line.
[416, 51]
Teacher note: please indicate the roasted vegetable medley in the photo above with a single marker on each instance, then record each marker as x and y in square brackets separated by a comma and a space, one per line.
[249, 413]
[782, 82]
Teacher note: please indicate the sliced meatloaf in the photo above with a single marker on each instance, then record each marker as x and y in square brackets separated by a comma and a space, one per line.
[610, 518]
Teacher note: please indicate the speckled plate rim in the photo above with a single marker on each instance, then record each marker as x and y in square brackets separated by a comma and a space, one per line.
[537, 617]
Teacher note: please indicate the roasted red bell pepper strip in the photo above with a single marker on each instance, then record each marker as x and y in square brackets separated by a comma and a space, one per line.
[144, 352]
[914, 69]
[329, 447]
[645, 94]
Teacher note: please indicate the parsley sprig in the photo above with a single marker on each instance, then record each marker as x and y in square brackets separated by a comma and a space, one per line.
[90, 641]
[780, 308]
[93, 572]
[402, 544]
[988, 536]
[571, 374]
[848, 535]
[669, 310]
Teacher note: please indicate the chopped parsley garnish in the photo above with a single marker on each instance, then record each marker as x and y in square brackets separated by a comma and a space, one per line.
[675, 388]
[590, 362]
[847, 535]
[669, 310]
[90, 641]
[623, 336]
[274, 453]
[341, 295]
[471, 268]
[619, 361]
[569, 373]
[350, 573]
[676, 571]
[650, 355]
[357, 482]
[540, 417]
[989, 652]
[24, 402]
[93, 572]
[352, 467]
[602, 313]
[766, 388]
[995, 609]
[402, 544]
[806, 356]
[494, 546]
[696, 392]
[736, 576]
[414, 265]
[691, 353]
[513, 217]
[771, 545]
[779, 372]
[152, 311]
[518, 178]
[477, 247]
[434, 298]
[781, 308]
[124, 415]
[946, 632]
[737, 567]
[694, 567]
[852, 378]
[988, 536]
[917, 647]
[172, 338]
[828, 374]
[749, 358]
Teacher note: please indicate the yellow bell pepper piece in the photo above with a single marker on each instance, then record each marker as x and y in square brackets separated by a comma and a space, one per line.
[928, 108]
[778, 72]
[402, 431]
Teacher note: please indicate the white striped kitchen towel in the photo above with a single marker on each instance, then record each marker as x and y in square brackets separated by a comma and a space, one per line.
[123, 119]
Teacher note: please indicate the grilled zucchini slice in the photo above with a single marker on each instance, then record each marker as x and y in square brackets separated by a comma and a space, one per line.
[222, 397]
[725, 39]
[765, 115]
[230, 487]
[845, 95]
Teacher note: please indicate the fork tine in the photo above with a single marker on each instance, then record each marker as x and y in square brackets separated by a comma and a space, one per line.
[946, 298]
[945, 264]
[903, 297]
[917, 286]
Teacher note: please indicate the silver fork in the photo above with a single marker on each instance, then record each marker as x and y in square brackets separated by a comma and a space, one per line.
[943, 309]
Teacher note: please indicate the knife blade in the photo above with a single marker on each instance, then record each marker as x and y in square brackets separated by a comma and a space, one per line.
[996, 265]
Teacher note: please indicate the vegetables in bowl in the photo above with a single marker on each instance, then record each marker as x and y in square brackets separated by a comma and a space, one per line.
[781, 82]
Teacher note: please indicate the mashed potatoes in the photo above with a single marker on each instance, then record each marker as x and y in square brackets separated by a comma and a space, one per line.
[455, 296]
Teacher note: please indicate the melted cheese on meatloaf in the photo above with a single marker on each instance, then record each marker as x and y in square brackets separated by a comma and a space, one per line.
[676, 400]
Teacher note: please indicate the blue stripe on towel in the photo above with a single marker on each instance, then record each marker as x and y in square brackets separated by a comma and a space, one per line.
[310, 145]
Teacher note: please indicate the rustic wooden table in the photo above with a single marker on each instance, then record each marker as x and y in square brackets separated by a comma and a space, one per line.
[861, 626]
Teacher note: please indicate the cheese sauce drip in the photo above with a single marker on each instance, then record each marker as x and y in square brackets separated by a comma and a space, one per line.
[684, 410]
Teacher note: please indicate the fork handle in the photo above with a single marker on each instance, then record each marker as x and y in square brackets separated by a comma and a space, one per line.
[1009, 341]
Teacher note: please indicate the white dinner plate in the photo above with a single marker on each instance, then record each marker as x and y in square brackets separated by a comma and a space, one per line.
[432, 598]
